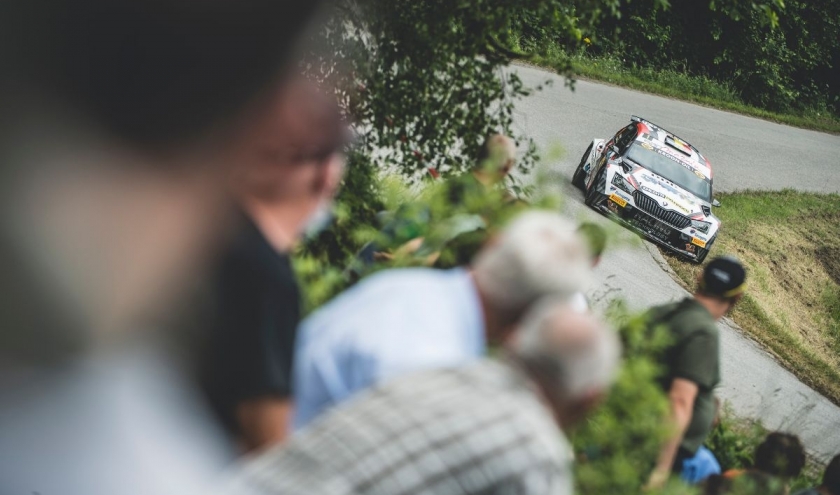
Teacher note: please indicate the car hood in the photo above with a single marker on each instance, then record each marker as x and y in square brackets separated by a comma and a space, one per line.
[667, 194]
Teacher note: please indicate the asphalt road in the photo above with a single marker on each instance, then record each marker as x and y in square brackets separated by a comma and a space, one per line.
[745, 153]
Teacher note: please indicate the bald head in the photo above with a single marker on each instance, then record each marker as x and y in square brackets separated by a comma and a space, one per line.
[574, 356]
[538, 254]
[497, 156]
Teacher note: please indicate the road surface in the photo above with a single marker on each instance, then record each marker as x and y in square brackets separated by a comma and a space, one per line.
[746, 153]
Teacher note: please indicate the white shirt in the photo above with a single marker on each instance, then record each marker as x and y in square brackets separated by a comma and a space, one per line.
[394, 322]
[124, 423]
[579, 303]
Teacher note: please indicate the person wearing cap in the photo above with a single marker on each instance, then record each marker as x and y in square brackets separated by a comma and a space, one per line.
[692, 361]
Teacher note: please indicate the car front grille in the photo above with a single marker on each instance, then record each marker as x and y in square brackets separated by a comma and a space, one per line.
[650, 206]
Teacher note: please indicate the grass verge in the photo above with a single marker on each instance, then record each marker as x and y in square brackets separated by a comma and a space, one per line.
[734, 440]
[790, 243]
[695, 89]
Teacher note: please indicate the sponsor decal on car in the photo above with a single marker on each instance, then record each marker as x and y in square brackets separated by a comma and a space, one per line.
[665, 151]
[652, 191]
[615, 198]
[681, 142]
[652, 227]
[664, 185]
[647, 145]
[673, 155]
[678, 206]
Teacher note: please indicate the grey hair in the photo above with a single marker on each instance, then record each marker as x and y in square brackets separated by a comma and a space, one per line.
[539, 254]
[579, 351]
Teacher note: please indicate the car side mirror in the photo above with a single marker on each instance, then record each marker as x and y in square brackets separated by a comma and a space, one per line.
[715, 203]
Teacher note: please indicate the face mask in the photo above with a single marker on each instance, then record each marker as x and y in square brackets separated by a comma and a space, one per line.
[319, 220]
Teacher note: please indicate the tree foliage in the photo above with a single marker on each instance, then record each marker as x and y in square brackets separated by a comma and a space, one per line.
[425, 80]
[778, 56]
[425, 83]
[618, 446]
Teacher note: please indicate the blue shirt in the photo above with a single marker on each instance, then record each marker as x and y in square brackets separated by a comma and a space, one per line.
[394, 322]
[699, 467]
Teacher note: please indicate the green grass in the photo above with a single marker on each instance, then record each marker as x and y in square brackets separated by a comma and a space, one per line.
[733, 441]
[790, 243]
[692, 88]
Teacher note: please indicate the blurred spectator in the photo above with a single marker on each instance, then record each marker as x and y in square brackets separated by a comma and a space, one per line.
[496, 159]
[751, 483]
[596, 239]
[831, 480]
[288, 167]
[692, 360]
[411, 319]
[404, 230]
[715, 484]
[488, 427]
[701, 466]
[116, 123]
[780, 455]
[704, 463]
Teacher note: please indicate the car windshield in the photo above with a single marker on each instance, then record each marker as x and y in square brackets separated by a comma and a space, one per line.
[672, 170]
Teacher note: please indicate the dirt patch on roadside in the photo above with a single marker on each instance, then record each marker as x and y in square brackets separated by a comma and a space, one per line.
[792, 254]
[829, 258]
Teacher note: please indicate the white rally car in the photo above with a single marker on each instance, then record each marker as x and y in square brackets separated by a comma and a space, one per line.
[655, 183]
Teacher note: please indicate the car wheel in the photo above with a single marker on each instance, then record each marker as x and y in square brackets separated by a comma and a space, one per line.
[579, 178]
[701, 255]
[594, 195]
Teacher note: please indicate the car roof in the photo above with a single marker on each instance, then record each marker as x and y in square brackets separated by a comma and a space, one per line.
[667, 143]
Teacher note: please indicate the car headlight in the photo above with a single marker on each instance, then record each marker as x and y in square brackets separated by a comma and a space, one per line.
[621, 183]
[701, 226]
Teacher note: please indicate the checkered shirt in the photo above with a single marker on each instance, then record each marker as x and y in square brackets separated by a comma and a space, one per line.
[475, 429]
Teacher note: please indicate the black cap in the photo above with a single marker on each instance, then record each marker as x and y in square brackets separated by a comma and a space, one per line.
[725, 277]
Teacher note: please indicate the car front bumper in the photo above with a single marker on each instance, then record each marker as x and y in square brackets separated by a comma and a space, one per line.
[651, 227]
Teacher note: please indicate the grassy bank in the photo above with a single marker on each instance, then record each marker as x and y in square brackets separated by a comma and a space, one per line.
[790, 242]
[734, 440]
[696, 89]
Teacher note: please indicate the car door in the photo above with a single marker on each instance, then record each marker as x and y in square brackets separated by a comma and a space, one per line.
[621, 141]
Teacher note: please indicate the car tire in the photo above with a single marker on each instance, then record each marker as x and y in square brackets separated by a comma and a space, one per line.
[579, 178]
[594, 194]
[703, 252]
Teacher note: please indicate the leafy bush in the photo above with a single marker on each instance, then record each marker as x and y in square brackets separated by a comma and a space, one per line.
[618, 446]
[734, 441]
